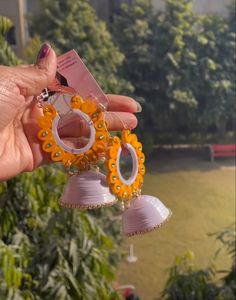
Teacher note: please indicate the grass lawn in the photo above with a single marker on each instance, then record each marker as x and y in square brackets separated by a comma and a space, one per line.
[201, 196]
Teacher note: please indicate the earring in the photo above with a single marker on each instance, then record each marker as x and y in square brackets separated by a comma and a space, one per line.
[87, 188]
[125, 189]
[142, 213]
[60, 152]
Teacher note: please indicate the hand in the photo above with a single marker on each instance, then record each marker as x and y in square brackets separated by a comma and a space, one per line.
[20, 149]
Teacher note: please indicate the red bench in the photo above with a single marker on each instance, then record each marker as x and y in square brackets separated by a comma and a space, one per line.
[222, 151]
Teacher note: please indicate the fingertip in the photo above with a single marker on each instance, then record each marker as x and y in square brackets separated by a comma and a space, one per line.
[123, 103]
[43, 52]
[52, 59]
[48, 62]
[133, 121]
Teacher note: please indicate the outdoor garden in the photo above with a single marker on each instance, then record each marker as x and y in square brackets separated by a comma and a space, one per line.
[181, 68]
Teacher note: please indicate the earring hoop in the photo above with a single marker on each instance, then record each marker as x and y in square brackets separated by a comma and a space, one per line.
[91, 113]
[125, 189]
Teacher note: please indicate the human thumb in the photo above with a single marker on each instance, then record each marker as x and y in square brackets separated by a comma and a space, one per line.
[31, 80]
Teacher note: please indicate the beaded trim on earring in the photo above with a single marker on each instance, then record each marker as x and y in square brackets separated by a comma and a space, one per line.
[151, 228]
[125, 190]
[58, 154]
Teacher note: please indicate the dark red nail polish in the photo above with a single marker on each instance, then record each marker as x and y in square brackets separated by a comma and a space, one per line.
[43, 52]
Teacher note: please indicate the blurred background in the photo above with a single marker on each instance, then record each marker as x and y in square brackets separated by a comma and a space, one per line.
[177, 58]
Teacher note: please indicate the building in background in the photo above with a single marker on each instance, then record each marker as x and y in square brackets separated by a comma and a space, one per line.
[107, 8]
[211, 6]
[18, 10]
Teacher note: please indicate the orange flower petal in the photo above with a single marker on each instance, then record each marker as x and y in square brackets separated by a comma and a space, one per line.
[138, 147]
[125, 136]
[117, 189]
[141, 169]
[57, 154]
[102, 136]
[141, 158]
[45, 134]
[112, 152]
[111, 165]
[113, 178]
[100, 125]
[76, 102]
[48, 146]
[99, 147]
[68, 159]
[45, 122]
[49, 111]
[133, 140]
[89, 107]
[96, 115]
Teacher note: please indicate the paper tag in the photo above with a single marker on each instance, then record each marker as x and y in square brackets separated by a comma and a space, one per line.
[75, 74]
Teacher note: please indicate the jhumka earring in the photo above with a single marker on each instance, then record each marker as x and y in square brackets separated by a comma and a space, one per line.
[88, 187]
[142, 213]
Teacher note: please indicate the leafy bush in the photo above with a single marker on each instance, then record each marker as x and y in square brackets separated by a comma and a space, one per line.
[187, 282]
[74, 25]
[7, 56]
[181, 64]
[227, 238]
[47, 252]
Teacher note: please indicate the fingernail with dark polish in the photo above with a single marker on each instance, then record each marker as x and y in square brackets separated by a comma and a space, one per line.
[43, 52]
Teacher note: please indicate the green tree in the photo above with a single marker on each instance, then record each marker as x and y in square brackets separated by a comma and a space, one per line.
[153, 60]
[175, 62]
[74, 25]
[181, 64]
[47, 252]
[7, 55]
[215, 73]
[187, 281]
